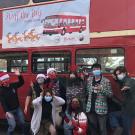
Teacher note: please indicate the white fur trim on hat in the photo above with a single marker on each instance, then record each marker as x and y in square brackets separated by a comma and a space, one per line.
[50, 70]
[40, 75]
[4, 77]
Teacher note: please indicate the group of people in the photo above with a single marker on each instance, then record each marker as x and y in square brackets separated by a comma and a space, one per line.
[77, 105]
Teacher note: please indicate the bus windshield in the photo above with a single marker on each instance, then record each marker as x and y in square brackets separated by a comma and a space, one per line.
[51, 22]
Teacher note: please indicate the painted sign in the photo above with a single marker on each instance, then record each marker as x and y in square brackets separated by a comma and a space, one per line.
[64, 23]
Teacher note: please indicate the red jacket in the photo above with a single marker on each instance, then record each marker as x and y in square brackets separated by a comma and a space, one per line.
[80, 124]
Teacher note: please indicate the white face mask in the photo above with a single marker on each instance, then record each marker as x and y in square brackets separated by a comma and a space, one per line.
[121, 76]
[40, 80]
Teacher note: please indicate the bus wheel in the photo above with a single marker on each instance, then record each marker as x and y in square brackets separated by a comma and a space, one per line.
[63, 32]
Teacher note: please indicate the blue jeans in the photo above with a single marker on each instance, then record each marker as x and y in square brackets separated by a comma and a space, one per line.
[16, 114]
[96, 124]
[115, 119]
[127, 122]
[68, 130]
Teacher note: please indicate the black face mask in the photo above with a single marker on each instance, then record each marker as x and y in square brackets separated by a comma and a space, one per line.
[75, 106]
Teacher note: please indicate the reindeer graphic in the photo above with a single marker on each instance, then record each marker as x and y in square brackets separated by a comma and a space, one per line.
[17, 38]
[33, 35]
[14, 38]
[30, 35]
[26, 36]
[10, 37]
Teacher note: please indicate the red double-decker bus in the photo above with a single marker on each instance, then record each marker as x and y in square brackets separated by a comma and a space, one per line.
[62, 24]
[112, 44]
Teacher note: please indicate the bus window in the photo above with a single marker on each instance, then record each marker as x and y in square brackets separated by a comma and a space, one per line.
[43, 60]
[109, 58]
[12, 3]
[9, 61]
[3, 65]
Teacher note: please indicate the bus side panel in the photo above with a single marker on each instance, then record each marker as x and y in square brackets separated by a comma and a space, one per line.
[0, 24]
[130, 64]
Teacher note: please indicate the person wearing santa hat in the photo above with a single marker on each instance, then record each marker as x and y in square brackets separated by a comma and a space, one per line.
[55, 83]
[35, 89]
[10, 102]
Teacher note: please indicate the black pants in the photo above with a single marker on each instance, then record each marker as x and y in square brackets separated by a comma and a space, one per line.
[97, 124]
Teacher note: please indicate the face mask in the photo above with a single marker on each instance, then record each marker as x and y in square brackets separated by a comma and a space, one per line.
[72, 75]
[97, 72]
[52, 75]
[121, 76]
[40, 80]
[75, 106]
[5, 83]
[47, 98]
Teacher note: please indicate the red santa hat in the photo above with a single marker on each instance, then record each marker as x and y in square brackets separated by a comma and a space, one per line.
[3, 76]
[50, 70]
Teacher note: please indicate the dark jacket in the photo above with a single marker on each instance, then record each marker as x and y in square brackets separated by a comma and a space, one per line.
[9, 97]
[129, 96]
[114, 104]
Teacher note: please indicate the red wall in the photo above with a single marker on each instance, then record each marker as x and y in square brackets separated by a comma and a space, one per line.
[108, 15]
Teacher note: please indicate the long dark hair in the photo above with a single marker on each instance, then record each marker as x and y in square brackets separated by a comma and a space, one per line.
[121, 69]
[70, 110]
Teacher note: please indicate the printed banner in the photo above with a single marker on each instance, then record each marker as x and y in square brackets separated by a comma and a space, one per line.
[64, 23]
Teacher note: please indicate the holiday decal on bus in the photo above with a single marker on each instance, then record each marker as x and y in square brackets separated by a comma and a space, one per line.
[54, 24]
